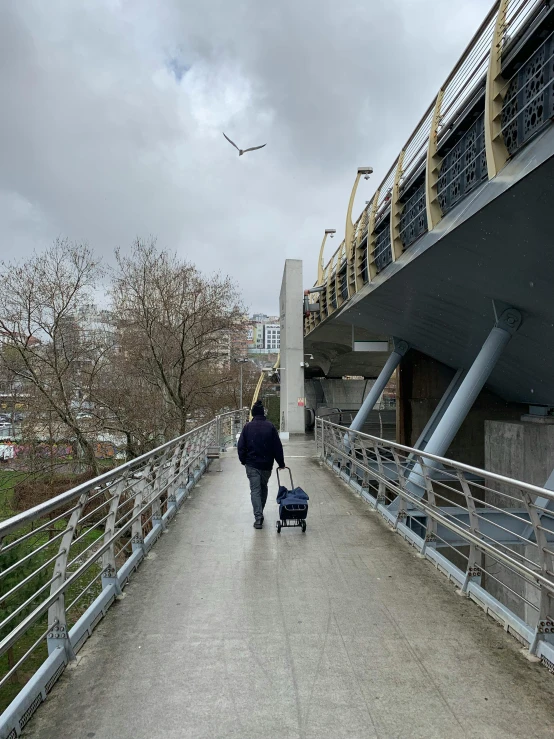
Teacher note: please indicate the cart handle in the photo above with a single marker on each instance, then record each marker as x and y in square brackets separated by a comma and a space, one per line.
[279, 479]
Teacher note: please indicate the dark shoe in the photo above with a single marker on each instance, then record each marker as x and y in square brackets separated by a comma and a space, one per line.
[258, 523]
[262, 519]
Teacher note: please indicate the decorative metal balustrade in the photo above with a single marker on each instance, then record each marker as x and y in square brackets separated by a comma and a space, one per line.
[464, 167]
[529, 102]
[343, 284]
[413, 221]
[64, 562]
[495, 100]
[491, 535]
[383, 254]
[364, 271]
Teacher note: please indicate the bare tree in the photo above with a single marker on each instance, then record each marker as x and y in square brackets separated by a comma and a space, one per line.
[178, 324]
[126, 404]
[42, 302]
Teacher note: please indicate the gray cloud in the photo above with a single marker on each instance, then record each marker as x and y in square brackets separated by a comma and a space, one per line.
[113, 111]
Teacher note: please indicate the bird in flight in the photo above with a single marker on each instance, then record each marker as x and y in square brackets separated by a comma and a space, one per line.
[243, 151]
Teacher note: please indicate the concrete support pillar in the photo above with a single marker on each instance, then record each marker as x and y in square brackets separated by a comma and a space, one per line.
[400, 348]
[473, 383]
[291, 369]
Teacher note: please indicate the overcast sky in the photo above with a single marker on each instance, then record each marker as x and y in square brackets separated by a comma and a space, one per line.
[112, 114]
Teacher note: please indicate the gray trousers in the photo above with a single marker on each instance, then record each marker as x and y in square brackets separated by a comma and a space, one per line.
[258, 489]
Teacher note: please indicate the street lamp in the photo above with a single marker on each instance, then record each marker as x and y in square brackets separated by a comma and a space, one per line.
[320, 265]
[365, 171]
[241, 362]
[349, 230]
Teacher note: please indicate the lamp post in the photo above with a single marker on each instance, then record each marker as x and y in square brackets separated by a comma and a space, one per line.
[241, 361]
[328, 232]
[349, 230]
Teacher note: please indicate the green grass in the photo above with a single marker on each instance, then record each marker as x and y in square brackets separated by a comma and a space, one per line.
[8, 480]
[9, 690]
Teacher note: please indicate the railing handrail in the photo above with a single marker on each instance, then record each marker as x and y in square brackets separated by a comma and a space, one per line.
[32, 514]
[480, 528]
[530, 488]
[71, 568]
[469, 536]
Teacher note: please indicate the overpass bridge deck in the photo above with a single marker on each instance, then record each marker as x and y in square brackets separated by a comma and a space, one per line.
[342, 632]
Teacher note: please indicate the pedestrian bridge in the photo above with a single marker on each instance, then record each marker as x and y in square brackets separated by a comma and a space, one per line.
[367, 625]
[454, 233]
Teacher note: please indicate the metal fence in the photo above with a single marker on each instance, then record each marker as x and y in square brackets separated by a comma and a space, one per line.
[490, 534]
[381, 421]
[63, 562]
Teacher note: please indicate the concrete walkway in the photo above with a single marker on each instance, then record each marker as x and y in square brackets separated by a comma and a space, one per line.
[229, 632]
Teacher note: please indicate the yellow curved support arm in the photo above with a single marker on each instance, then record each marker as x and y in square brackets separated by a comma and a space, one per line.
[259, 384]
[321, 265]
[497, 153]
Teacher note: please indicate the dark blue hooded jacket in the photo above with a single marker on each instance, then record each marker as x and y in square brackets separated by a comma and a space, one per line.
[259, 445]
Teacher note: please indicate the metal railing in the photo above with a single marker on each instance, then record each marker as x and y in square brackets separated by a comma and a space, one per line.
[378, 422]
[63, 562]
[492, 535]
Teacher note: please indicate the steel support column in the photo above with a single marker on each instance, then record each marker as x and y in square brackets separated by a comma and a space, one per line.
[473, 383]
[400, 349]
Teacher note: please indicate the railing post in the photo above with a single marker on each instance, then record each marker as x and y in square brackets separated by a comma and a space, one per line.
[430, 540]
[338, 292]
[137, 534]
[381, 490]
[58, 632]
[330, 282]
[544, 630]
[361, 254]
[156, 506]
[233, 423]
[109, 565]
[220, 434]
[365, 459]
[173, 477]
[396, 244]
[184, 466]
[337, 454]
[434, 161]
[474, 571]
[402, 513]
[371, 267]
[496, 151]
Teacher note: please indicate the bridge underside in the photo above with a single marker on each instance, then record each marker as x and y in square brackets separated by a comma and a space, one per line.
[331, 346]
[339, 632]
[495, 245]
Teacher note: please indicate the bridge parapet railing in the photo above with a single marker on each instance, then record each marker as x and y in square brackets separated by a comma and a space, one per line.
[491, 535]
[496, 99]
[64, 562]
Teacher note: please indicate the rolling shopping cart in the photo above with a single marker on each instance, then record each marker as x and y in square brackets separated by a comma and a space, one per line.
[293, 506]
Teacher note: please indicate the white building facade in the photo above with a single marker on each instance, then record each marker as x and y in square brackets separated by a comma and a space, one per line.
[272, 337]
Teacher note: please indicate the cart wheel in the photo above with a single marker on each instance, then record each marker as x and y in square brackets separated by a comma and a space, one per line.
[278, 527]
[303, 527]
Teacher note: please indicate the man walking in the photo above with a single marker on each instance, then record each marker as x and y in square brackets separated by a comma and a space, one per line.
[258, 446]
